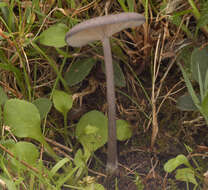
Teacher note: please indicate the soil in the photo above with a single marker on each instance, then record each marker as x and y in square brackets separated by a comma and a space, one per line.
[141, 167]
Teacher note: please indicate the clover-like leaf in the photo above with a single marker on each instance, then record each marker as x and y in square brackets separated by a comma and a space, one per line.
[92, 130]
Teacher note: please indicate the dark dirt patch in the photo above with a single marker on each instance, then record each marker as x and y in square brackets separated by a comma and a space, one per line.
[139, 166]
[135, 157]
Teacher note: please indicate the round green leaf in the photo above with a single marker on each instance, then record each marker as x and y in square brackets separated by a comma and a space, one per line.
[62, 101]
[124, 132]
[78, 71]
[43, 105]
[54, 36]
[25, 151]
[23, 118]
[92, 130]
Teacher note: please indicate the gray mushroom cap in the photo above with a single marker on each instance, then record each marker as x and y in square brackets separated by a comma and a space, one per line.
[101, 27]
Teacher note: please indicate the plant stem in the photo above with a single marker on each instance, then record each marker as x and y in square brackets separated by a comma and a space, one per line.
[50, 151]
[195, 10]
[66, 137]
[112, 160]
[53, 65]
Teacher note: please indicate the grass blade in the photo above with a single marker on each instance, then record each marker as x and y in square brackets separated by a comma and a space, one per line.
[190, 87]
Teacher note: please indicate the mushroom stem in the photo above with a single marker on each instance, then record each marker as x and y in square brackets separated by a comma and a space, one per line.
[112, 160]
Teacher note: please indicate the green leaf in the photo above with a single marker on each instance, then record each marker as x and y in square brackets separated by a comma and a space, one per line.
[124, 131]
[43, 105]
[201, 84]
[94, 186]
[199, 59]
[79, 159]
[66, 178]
[119, 77]
[91, 130]
[188, 148]
[177, 20]
[59, 165]
[95, 140]
[130, 5]
[78, 71]
[1, 119]
[122, 4]
[3, 96]
[25, 151]
[187, 175]
[10, 184]
[7, 66]
[8, 15]
[185, 57]
[7, 144]
[54, 36]
[206, 82]
[204, 105]
[203, 19]
[62, 101]
[185, 103]
[173, 163]
[24, 119]
[3, 4]
[190, 88]
[117, 51]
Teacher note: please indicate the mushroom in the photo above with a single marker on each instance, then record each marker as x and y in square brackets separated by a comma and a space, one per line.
[102, 28]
